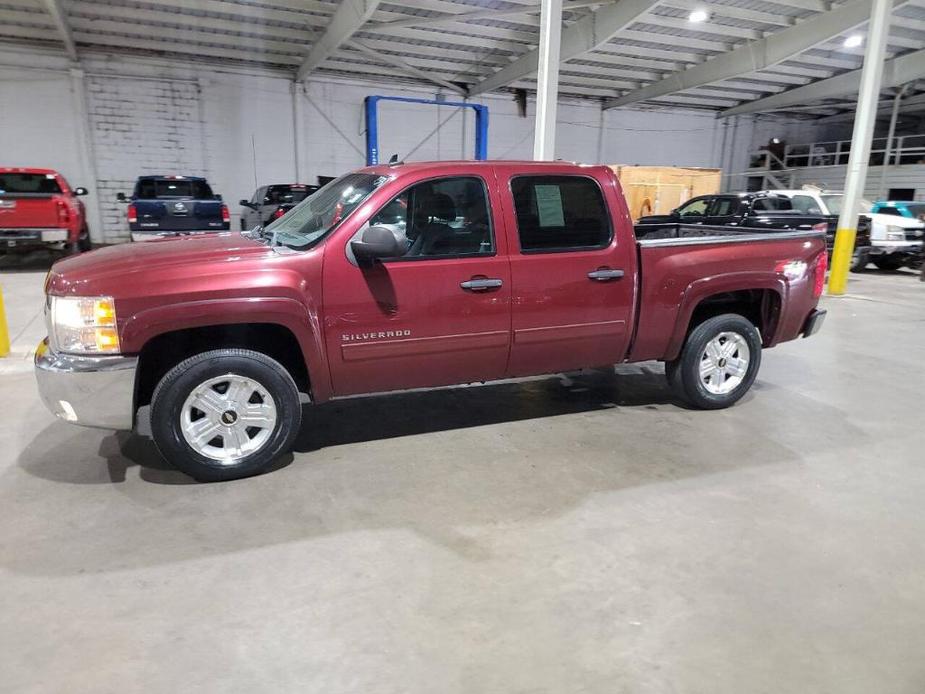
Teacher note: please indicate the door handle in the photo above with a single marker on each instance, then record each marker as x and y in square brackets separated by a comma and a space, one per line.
[480, 284]
[605, 274]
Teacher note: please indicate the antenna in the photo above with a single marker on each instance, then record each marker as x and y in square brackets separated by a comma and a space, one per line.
[394, 161]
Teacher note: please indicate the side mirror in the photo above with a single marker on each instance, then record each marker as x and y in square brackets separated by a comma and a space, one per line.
[245, 203]
[674, 213]
[376, 243]
[80, 191]
[120, 197]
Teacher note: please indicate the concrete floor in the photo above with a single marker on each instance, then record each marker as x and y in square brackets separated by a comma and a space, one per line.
[554, 535]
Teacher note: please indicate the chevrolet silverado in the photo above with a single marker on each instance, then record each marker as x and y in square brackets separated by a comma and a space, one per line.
[409, 276]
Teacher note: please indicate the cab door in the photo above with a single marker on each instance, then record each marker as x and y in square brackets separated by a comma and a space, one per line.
[440, 313]
[573, 277]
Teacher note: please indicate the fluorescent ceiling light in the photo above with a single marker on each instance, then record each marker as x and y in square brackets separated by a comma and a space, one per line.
[854, 41]
[698, 16]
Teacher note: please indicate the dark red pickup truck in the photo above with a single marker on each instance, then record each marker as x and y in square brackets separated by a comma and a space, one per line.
[409, 276]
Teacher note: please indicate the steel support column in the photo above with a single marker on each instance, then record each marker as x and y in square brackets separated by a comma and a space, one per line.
[298, 138]
[864, 120]
[547, 81]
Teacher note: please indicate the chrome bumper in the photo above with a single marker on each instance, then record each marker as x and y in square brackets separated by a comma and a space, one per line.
[87, 390]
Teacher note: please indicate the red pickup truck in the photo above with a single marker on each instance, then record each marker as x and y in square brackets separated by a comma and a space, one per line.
[39, 208]
[409, 276]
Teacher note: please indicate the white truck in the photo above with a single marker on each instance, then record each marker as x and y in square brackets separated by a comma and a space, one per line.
[886, 237]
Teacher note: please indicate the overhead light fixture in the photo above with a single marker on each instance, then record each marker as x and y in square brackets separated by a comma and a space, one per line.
[775, 140]
[854, 41]
[698, 16]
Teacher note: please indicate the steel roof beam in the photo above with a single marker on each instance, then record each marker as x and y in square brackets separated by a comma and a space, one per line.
[390, 25]
[346, 20]
[585, 35]
[53, 7]
[896, 72]
[758, 54]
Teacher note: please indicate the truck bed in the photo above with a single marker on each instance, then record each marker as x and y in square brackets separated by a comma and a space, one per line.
[680, 265]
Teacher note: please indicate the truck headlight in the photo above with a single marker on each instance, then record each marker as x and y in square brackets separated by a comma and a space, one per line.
[83, 324]
[895, 233]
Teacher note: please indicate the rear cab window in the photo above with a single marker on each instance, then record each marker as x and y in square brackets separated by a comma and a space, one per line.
[560, 213]
[153, 188]
[29, 183]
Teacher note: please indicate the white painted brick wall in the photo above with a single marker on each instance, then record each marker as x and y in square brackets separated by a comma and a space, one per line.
[141, 127]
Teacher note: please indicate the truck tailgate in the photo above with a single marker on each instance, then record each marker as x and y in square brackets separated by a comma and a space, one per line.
[179, 215]
[680, 270]
[28, 210]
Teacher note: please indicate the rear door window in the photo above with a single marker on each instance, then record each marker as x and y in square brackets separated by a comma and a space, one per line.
[560, 213]
[695, 208]
[724, 207]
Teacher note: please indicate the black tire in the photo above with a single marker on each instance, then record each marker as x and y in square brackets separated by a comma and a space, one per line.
[83, 242]
[176, 386]
[860, 259]
[885, 262]
[684, 372]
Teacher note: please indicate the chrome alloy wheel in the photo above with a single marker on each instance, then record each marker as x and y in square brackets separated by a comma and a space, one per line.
[724, 363]
[228, 417]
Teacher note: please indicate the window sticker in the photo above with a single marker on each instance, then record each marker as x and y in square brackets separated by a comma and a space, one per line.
[549, 206]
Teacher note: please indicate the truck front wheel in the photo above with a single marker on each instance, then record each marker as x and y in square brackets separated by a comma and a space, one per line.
[225, 414]
[718, 364]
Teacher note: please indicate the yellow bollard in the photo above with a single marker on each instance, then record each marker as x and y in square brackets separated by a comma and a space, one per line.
[841, 260]
[4, 330]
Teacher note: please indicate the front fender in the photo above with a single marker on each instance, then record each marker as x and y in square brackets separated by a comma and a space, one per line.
[303, 322]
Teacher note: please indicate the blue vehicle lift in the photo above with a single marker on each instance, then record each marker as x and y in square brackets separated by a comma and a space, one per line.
[372, 123]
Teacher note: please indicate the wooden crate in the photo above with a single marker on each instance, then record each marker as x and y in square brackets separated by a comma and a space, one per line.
[660, 189]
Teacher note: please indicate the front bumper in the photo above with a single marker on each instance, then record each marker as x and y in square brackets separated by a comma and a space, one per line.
[814, 323]
[896, 247]
[93, 391]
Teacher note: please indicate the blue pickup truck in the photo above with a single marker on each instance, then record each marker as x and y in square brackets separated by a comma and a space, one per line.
[174, 205]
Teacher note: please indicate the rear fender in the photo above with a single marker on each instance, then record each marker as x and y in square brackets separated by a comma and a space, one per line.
[702, 289]
[289, 313]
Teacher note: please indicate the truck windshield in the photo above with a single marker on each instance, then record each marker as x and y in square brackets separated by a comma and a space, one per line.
[314, 217]
[833, 202]
[44, 184]
[153, 188]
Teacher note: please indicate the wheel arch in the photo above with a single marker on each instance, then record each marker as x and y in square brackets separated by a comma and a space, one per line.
[165, 350]
[758, 297]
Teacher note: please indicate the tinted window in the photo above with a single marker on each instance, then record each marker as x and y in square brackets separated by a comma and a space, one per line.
[442, 218]
[890, 210]
[770, 204]
[725, 206]
[28, 183]
[151, 188]
[560, 213]
[695, 208]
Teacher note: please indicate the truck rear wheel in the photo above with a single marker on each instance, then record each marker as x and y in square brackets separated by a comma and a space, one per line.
[225, 414]
[718, 363]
